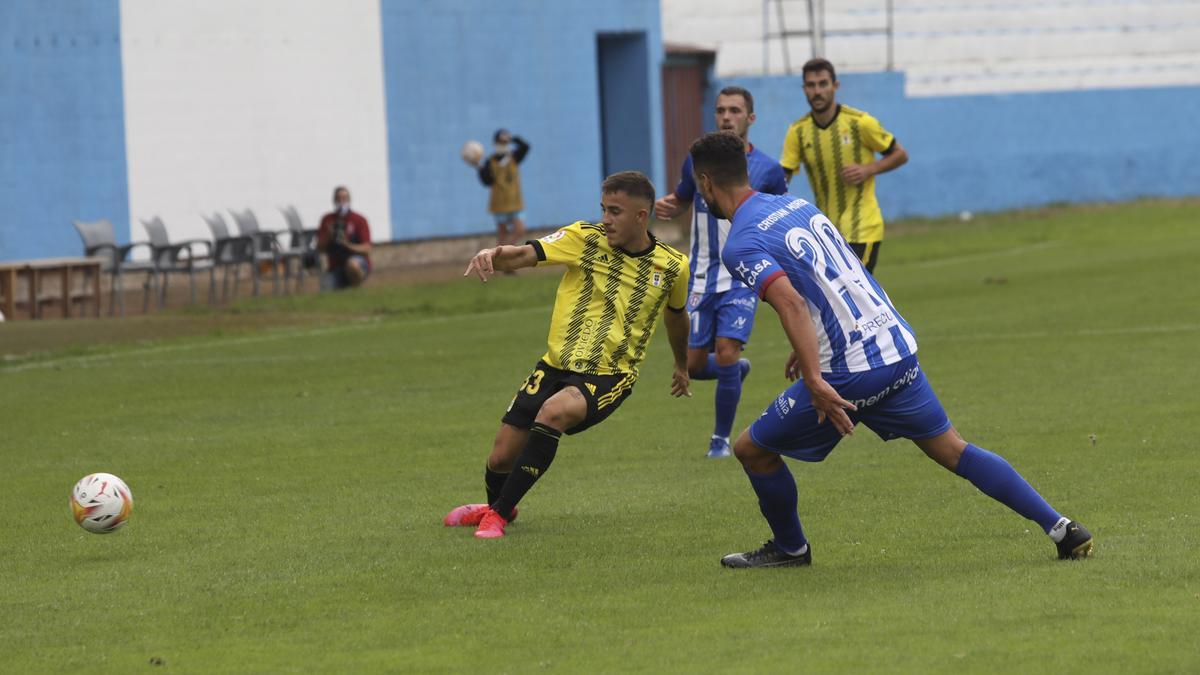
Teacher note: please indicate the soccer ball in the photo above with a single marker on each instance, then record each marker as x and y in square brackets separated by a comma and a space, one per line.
[101, 503]
[472, 152]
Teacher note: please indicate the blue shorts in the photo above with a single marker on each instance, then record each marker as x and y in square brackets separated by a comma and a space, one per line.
[895, 401]
[728, 315]
[508, 217]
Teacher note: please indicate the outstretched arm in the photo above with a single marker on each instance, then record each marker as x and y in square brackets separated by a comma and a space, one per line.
[805, 359]
[503, 258]
[677, 333]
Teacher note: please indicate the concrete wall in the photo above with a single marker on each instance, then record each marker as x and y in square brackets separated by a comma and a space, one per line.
[457, 71]
[127, 110]
[232, 104]
[62, 138]
[994, 152]
[957, 46]
[171, 107]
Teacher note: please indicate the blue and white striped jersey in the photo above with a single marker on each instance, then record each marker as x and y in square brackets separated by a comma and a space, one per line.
[709, 232]
[858, 328]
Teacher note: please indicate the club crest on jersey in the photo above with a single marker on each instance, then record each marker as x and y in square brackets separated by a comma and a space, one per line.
[694, 301]
[656, 278]
[553, 237]
[845, 139]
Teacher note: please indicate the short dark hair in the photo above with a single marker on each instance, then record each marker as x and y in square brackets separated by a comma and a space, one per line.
[720, 155]
[818, 65]
[632, 183]
[339, 189]
[500, 133]
[733, 90]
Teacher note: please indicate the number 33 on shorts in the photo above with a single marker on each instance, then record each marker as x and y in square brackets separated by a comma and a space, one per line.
[532, 384]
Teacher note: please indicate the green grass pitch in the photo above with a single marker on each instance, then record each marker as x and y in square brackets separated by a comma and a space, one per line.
[290, 484]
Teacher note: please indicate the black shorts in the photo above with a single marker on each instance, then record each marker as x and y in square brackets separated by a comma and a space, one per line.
[867, 253]
[603, 393]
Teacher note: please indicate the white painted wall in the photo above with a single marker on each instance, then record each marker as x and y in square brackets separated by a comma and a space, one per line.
[234, 104]
[949, 47]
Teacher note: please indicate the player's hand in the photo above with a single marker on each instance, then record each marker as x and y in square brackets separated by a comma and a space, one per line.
[855, 174]
[830, 405]
[481, 264]
[667, 207]
[792, 370]
[680, 382]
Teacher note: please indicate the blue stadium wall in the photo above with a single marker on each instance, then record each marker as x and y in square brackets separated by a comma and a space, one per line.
[458, 71]
[111, 109]
[62, 128]
[107, 110]
[996, 152]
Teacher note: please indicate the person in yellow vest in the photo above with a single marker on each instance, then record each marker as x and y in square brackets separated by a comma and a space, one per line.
[837, 145]
[500, 171]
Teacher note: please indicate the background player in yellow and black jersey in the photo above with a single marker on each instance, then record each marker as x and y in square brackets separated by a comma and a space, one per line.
[837, 146]
[619, 280]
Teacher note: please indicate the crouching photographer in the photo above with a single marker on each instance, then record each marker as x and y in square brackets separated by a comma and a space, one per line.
[345, 238]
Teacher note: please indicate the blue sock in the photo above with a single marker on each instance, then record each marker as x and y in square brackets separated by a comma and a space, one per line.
[777, 500]
[729, 392]
[996, 478]
[710, 369]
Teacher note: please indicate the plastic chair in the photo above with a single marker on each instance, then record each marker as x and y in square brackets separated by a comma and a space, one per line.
[179, 258]
[229, 252]
[266, 244]
[302, 246]
[100, 241]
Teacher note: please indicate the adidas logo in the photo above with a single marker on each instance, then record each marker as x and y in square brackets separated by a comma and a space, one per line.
[531, 470]
[603, 258]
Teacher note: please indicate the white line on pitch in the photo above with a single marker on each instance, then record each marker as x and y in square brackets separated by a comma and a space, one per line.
[273, 336]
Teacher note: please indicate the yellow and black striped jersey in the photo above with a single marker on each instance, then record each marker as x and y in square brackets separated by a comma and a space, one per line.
[853, 137]
[609, 300]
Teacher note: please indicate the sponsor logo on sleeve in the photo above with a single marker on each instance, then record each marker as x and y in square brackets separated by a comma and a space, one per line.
[553, 237]
[750, 274]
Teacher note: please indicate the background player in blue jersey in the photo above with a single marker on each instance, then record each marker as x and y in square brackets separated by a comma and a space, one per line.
[854, 353]
[721, 307]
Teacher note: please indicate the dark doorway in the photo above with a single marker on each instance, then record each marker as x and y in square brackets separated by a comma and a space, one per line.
[624, 73]
[685, 75]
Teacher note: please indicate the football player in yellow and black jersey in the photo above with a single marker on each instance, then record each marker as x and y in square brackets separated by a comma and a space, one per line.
[837, 146]
[619, 279]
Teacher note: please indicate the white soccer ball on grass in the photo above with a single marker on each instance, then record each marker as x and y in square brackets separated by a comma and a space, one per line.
[101, 503]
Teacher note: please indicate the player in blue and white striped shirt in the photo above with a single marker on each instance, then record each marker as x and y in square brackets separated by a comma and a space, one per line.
[721, 307]
[854, 353]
